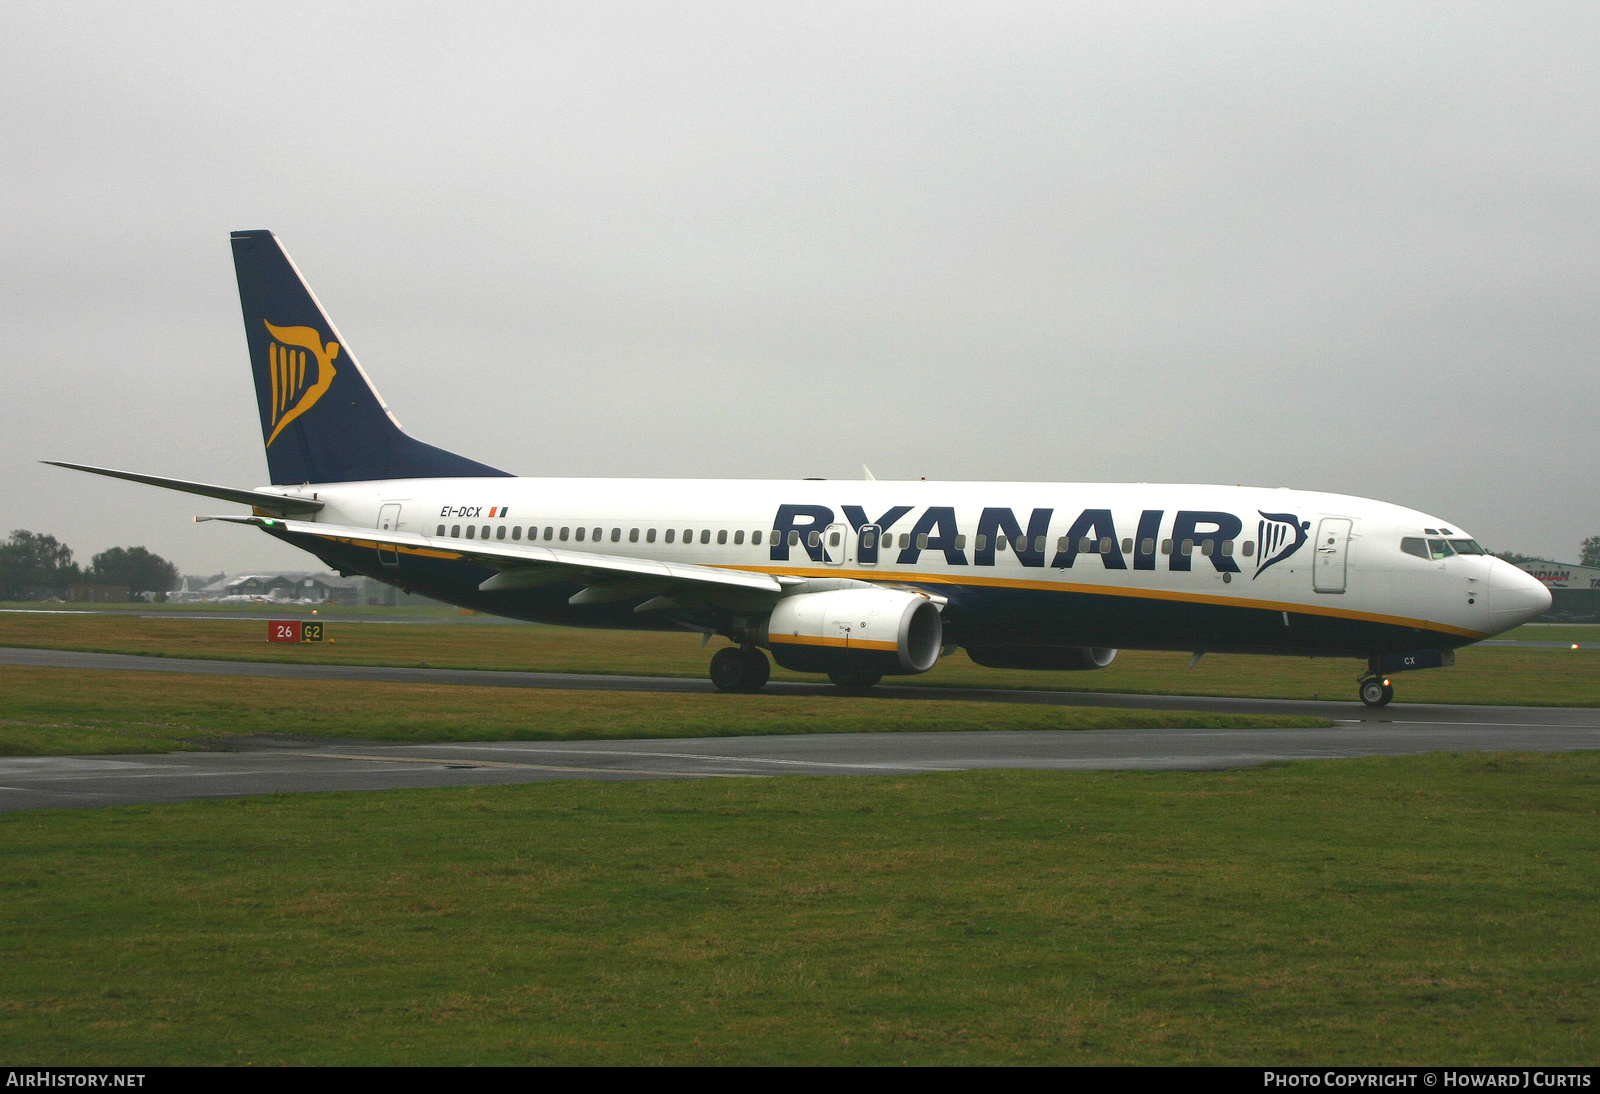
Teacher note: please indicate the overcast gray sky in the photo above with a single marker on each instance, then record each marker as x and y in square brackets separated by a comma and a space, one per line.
[1349, 247]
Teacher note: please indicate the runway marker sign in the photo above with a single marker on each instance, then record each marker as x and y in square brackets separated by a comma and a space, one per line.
[294, 630]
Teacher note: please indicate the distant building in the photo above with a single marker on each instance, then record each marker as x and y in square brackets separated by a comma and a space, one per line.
[1574, 590]
[96, 594]
[280, 588]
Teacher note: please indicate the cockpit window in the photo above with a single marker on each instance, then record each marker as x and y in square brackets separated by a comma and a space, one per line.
[1415, 545]
[1438, 548]
[1467, 547]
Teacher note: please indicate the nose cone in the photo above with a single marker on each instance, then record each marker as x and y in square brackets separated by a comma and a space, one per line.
[1514, 596]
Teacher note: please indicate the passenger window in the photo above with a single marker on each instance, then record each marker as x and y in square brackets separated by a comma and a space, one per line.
[1166, 546]
[1038, 545]
[755, 538]
[980, 542]
[564, 534]
[1438, 548]
[814, 539]
[1022, 544]
[581, 533]
[738, 537]
[1147, 546]
[1086, 545]
[1001, 543]
[1227, 548]
[440, 532]
[455, 531]
[550, 531]
[671, 534]
[1206, 547]
[1105, 545]
[616, 535]
[705, 535]
[1186, 548]
[470, 531]
[500, 532]
[650, 536]
[922, 542]
[516, 531]
[1249, 548]
[961, 543]
[485, 533]
[1127, 546]
[868, 540]
[833, 539]
[597, 535]
[794, 537]
[688, 535]
[1061, 544]
[633, 535]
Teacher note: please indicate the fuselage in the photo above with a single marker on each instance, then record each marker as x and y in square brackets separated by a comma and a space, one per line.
[1134, 566]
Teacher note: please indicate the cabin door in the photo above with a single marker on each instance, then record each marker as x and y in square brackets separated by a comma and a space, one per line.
[1333, 540]
[389, 521]
[867, 539]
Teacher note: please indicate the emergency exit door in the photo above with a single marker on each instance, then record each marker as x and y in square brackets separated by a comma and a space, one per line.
[1333, 545]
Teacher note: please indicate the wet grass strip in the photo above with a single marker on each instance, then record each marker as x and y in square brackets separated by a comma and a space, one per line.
[1485, 675]
[1409, 910]
[77, 711]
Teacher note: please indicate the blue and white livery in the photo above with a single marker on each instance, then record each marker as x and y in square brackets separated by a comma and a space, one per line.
[855, 579]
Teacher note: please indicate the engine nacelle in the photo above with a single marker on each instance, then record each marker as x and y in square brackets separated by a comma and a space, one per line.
[1054, 658]
[887, 631]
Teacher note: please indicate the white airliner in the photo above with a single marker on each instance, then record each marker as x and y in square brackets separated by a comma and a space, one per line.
[855, 579]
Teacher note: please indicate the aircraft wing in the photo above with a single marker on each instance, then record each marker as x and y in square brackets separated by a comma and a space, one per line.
[606, 577]
[260, 499]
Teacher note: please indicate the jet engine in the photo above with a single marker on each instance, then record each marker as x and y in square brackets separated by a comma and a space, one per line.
[868, 630]
[1055, 658]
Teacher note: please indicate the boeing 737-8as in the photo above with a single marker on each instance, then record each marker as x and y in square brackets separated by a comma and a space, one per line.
[855, 579]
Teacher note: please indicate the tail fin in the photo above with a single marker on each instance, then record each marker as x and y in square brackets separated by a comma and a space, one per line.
[321, 418]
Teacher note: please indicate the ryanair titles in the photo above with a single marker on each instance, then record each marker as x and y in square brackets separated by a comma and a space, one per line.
[895, 537]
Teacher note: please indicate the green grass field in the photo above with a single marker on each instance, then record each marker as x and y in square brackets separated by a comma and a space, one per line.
[74, 712]
[1553, 677]
[1423, 910]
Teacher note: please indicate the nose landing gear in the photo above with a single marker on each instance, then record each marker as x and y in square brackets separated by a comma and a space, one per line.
[742, 670]
[1376, 691]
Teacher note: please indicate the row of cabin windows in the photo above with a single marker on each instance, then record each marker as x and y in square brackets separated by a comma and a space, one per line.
[596, 535]
[1086, 545]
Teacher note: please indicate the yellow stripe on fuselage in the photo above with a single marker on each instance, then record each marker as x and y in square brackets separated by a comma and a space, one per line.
[1118, 590]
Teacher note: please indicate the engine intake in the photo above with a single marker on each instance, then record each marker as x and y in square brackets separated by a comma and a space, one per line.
[1055, 658]
[886, 631]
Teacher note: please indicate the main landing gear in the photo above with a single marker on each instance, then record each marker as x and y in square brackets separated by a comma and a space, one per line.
[1376, 691]
[740, 669]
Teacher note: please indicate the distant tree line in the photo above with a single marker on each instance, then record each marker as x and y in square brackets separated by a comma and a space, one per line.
[1588, 554]
[32, 563]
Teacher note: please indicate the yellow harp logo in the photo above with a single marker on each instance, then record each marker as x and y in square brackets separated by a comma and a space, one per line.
[294, 389]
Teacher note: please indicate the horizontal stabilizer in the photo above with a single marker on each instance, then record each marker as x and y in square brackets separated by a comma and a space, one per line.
[526, 566]
[261, 499]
